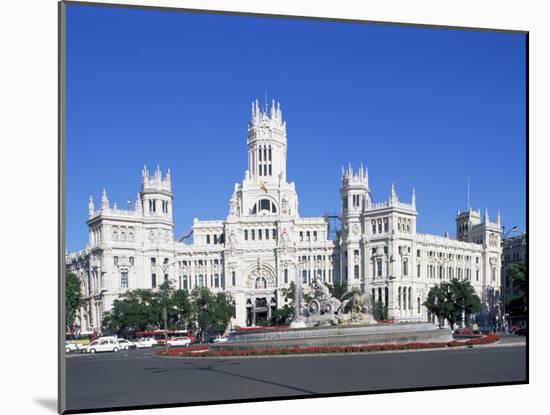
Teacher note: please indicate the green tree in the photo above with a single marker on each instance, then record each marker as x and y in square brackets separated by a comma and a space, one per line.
[467, 301]
[138, 309]
[211, 312]
[73, 299]
[183, 309]
[451, 300]
[379, 311]
[516, 305]
[338, 289]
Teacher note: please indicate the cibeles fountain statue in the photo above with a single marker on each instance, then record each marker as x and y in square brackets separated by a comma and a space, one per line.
[323, 320]
[323, 308]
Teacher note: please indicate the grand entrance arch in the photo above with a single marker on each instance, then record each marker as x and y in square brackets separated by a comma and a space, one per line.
[261, 297]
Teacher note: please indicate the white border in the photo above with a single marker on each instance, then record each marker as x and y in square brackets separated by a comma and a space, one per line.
[28, 206]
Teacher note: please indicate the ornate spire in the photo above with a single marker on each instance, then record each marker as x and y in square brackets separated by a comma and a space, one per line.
[90, 207]
[138, 203]
[393, 195]
[486, 218]
[498, 218]
[104, 200]
[158, 174]
[413, 199]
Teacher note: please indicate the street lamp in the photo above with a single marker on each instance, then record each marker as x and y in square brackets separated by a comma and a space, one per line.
[504, 236]
[164, 267]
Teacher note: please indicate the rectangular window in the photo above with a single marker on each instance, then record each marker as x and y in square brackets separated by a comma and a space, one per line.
[286, 276]
[253, 234]
[153, 280]
[301, 236]
[207, 239]
[124, 279]
[314, 235]
[185, 283]
[418, 270]
[379, 267]
[131, 259]
[275, 234]
[233, 282]
[115, 260]
[259, 234]
[267, 234]
[246, 235]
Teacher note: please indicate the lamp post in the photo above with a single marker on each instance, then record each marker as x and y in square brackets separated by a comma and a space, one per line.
[164, 267]
[504, 235]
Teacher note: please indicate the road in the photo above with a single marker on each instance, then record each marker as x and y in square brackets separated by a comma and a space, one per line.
[139, 377]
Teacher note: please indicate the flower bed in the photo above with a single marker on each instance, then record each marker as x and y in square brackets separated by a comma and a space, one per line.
[188, 352]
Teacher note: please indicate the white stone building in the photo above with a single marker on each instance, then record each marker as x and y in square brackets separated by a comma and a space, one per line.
[263, 244]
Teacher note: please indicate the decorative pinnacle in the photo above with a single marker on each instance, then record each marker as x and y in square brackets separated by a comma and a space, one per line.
[393, 195]
[413, 198]
[104, 200]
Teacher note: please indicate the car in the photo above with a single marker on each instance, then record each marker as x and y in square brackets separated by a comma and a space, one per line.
[486, 330]
[105, 344]
[521, 331]
[179, 341]
[126, 344]
[145, 342]
[72, 347]
[220, 340]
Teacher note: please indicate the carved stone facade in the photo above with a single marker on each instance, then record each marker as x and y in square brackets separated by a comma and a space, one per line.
[263, 244]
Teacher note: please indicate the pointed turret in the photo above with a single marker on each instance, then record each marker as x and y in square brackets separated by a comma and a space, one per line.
[90, 207]
[393, 194]
[104, 200]
[137, 205]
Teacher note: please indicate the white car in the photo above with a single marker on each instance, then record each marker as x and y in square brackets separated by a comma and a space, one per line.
[126, 344]
[102, 345]
[179, 341]
[72, 347]
[147, 342]
[220, 340]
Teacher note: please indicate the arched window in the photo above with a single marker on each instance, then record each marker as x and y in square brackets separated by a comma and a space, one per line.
[264, 204]
[399, 298]
[154, 280]
[405, 267]
[124, 279]
[261, 283]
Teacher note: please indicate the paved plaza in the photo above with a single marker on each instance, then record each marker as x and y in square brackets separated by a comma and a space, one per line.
[140, 377]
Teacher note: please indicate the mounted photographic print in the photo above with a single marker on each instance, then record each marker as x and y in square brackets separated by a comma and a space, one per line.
[262, 207]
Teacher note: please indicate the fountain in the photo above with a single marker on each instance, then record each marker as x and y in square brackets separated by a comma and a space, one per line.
[328, 321]
[299, 319]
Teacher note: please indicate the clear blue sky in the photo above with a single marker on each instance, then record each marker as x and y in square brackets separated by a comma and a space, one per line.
[421, 107]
